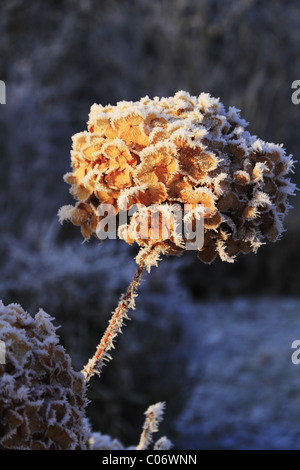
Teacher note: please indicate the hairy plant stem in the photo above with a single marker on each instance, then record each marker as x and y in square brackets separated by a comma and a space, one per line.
[95, 364]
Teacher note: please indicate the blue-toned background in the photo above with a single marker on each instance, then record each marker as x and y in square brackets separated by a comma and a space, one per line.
[214, 342]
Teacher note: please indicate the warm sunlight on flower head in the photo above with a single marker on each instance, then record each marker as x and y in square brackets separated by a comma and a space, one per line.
[182, 150]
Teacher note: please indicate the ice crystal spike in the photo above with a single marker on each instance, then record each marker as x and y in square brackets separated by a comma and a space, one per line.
[186, 150]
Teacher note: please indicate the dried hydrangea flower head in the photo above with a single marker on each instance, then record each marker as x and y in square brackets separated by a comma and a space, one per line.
[182, 150]
[160, 156]
[42, 399]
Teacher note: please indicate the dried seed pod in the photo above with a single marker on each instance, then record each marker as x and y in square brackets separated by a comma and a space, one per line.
[42, 399]
[180, 150]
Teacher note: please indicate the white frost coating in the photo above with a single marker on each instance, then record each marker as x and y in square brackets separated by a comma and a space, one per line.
[154, 415]
[65, 213]
[123, 200]
[260, 199]
[98, 441]
[163, 444]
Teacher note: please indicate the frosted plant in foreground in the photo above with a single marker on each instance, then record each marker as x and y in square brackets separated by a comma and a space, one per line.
[169, 153]
[154, 415]
[42, 399]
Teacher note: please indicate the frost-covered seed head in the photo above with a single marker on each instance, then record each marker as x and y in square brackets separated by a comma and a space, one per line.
[42, 399]
[184, 150]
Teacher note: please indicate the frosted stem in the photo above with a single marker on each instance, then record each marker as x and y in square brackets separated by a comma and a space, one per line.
[154, 415]
[116, 322]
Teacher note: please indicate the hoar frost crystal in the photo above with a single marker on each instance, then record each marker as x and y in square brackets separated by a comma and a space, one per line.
[179, 150]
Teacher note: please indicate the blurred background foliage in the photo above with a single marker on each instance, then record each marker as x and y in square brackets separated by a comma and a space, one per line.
[57, 58]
